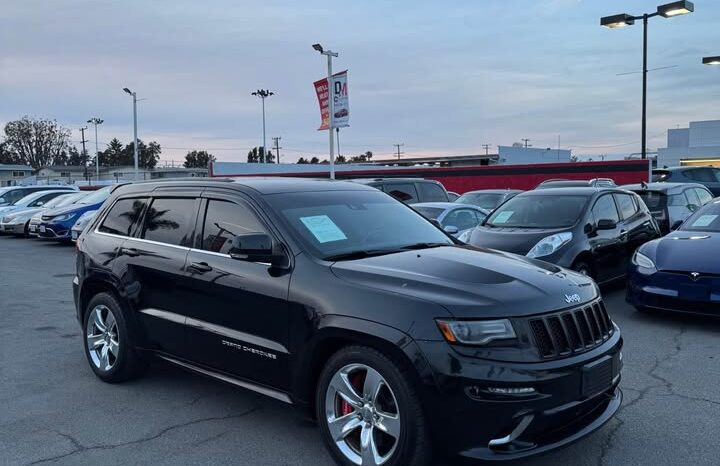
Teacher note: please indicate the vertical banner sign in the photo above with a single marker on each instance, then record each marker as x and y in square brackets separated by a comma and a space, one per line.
[341, 103]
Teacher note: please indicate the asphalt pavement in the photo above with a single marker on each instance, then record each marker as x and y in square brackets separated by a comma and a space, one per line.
[54, 411]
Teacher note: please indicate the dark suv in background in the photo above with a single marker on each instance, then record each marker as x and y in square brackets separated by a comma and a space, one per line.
[706, 176]
[593, 231]
[409, 190]
[336, 297]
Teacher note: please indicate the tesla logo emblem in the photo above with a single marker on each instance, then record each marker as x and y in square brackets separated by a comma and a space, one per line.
[695, 276]
[572, 298]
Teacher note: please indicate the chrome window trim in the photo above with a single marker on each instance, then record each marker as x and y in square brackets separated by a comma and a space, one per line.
[227, 256]
[225, 378]
[141, 240]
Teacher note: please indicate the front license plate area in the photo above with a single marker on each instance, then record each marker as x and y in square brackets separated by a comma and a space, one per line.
[694, 292]
[597, 376]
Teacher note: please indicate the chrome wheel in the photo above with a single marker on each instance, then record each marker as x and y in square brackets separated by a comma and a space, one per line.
[362, 415]
[103, 343]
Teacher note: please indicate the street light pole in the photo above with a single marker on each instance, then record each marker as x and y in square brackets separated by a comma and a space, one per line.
[331, 98]
[135, 140]
[263, 94]
[96, 121]
[619, 21]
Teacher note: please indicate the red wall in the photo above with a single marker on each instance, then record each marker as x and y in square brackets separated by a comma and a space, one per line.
[462, 179]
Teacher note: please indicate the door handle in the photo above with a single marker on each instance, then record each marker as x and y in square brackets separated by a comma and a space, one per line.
[132, 252]
[201, 267]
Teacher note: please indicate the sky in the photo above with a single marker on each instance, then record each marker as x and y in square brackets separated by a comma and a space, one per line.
[440, 77]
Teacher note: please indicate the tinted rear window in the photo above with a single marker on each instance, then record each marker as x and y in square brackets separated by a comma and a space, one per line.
[430, 212]
[123, 217]
[654, 200]
[485, 200]
[431, 192]
[170, 220]
[402, 191]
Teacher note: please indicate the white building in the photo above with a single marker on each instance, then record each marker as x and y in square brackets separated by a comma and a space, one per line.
[530, 155]
[698, 144]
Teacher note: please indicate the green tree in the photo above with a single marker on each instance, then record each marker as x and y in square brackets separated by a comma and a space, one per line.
[198, 159]
[148, 154]
[37, 142]
[75, 158]
[340, 159]
[257, 155]
[114, 155]
[361, 158]
[302, 160]
[314, 160]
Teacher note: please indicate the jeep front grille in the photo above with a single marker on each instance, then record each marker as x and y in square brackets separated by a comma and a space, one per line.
[573, 331]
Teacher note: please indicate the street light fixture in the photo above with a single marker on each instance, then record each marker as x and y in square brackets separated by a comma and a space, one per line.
[263, 94]
[711, 60]
[330, 54]
[135, 143]
[96, 121]
[619, 21]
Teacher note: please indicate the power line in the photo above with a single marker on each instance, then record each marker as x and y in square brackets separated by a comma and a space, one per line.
[398, 149]
[525, 140]
[277, 147]
[487, 148]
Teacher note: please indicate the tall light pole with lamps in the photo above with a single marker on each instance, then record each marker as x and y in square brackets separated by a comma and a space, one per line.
[330, 54]
[135, 141]
[96, 121]
[263, 94]
[619, 21]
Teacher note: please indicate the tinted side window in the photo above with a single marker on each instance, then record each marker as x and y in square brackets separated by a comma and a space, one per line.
[704, 196]
[402, 191]
[461, 218]
[626, 204]
[225, 220]
[431, 192]
[169, 220]
[692, 197]
[700, 174]
[123, 216]
[677, 200]
[605, 209]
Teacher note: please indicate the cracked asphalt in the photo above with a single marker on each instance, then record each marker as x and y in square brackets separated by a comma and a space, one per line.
[53, 411]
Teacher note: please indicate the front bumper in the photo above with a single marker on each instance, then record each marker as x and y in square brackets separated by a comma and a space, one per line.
[12, 228]
[566, 406]
[674, 292]
[54, 231]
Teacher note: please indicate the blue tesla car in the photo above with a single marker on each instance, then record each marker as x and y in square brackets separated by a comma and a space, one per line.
[680, 271]
[57, 223]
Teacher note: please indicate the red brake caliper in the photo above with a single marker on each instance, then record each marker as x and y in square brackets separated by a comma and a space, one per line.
[356, 380]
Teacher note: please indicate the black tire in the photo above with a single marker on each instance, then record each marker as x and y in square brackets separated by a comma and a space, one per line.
[414, 442]
[129, 362]
[584, 268]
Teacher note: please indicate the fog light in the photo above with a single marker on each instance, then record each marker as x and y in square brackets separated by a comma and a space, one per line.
[511, 390]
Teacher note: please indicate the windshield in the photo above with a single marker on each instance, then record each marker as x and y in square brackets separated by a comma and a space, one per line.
[97, 197]
[538, 211]
[429, 212]
[485, 200]
[705, 219]
[340, 223]
[71, 199]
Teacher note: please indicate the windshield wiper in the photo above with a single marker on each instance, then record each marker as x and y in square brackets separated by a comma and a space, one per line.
[381, 252]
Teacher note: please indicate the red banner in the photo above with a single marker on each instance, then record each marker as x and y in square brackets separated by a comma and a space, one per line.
[341, 107]
[321, 89]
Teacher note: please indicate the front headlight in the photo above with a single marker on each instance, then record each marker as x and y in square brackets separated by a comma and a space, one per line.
[644, 263]
[549, 244]
[475, 332]
[62, 218]
[8, 218]
[85, 219]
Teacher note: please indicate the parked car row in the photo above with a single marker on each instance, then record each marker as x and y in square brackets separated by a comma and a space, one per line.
[50, 213]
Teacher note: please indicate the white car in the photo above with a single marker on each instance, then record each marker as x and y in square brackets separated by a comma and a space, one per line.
[35, 199]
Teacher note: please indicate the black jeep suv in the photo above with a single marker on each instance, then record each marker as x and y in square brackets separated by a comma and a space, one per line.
[335, 297]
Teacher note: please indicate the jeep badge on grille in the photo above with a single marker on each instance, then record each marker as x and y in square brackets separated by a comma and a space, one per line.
[572, 298]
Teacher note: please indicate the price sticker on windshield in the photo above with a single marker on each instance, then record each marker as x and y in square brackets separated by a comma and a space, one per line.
[704, 220]
[503, 217]
[323, 228]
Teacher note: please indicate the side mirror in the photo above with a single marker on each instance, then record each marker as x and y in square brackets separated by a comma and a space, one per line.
[692, 207]
[606, 224]
[257, 247]
[436, 223]
[451, 230]
[676, 225]
[39, 204]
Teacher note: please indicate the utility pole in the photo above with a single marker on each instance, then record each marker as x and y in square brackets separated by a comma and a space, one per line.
[525, 140]
[487, 148]
[398, 146]
[96, 121]
[277, 147]
[84, 152]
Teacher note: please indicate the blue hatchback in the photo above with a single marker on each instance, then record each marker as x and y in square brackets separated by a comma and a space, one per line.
[57, 223]
[681, 271]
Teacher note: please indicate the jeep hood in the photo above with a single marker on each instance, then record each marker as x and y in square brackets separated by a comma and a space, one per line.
[471, 282]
